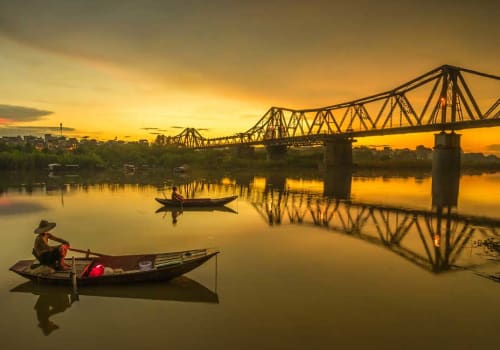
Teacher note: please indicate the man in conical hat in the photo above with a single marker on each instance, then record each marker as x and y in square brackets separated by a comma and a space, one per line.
[46, 254]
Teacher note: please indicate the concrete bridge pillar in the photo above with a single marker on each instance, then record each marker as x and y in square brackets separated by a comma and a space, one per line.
[338, 153]
[245, 151]
[276, 152]
[337, 182]
[445, 169]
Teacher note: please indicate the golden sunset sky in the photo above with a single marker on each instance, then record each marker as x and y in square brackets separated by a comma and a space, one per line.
[132, 69]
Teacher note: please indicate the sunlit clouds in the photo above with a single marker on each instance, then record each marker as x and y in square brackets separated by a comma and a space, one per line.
[118, 68]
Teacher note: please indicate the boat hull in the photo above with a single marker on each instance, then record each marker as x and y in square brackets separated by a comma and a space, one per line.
[165, 267]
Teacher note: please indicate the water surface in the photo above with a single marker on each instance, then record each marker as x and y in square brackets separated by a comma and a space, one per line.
[369, 264]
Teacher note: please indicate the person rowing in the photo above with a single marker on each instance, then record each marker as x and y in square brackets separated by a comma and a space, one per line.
[176, 196]
[52, 256]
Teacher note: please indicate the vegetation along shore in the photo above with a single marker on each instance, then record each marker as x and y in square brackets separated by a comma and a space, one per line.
[23, 155]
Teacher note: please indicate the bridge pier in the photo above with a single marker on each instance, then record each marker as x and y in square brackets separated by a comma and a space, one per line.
[338, 153]
[445, 169]
[276, 181]
[337, 182]
[276, 152]
[245, 151]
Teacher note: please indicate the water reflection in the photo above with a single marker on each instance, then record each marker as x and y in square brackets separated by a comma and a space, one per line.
[47, 305]
[437, 240]
[15, 207]
[51, 301]
[445, 185]
[176, 212]
[434, 240]
[57, 299]
[337, 183]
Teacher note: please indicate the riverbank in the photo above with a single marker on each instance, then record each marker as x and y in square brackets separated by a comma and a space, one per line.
[146, 157]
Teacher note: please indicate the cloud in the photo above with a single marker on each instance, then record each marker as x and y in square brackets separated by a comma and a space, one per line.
[149, 128]
[276, 50]
[21, 130]
[9, 113]
[44, 128]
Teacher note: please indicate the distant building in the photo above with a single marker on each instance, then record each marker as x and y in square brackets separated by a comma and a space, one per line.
[423, 153]
[12, 140]
[404, 154]
[37, 142]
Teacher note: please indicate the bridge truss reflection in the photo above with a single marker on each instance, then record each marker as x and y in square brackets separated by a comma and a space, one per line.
[438, 240]
[434, 240]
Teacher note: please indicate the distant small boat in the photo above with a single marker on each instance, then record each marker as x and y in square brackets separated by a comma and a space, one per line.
[105, 270]
[56, 167]
[181, 169]
[196, 202]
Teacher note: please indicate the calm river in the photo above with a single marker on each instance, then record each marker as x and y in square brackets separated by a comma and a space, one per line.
[367, 262]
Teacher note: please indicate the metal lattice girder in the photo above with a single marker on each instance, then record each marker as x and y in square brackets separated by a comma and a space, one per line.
[448, 104]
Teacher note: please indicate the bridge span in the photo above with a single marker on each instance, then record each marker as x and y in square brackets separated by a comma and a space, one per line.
[439, 100]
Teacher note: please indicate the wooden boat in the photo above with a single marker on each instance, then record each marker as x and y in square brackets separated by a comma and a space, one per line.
[196, 202]
[56, 167]
[118, 269]
[180, 169]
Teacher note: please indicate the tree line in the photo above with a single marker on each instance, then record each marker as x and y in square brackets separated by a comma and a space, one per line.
[115, 155]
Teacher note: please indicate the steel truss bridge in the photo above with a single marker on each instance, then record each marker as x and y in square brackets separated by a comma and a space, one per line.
[439, 100]
[436, 240]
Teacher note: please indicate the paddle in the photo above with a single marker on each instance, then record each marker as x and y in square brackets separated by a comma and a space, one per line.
[73, 278]
[87, 252]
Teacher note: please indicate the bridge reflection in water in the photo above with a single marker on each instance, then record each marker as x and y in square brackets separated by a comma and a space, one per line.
[438, 240]
[434, 240]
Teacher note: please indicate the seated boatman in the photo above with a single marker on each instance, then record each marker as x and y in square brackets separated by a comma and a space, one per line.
[50, 255]
[176, 196]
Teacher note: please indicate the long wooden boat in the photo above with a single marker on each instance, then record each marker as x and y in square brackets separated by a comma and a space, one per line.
[118, 269]
[196, 202]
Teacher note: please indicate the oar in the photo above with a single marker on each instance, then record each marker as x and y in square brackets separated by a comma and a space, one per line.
[87, 252]
[73, 278]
